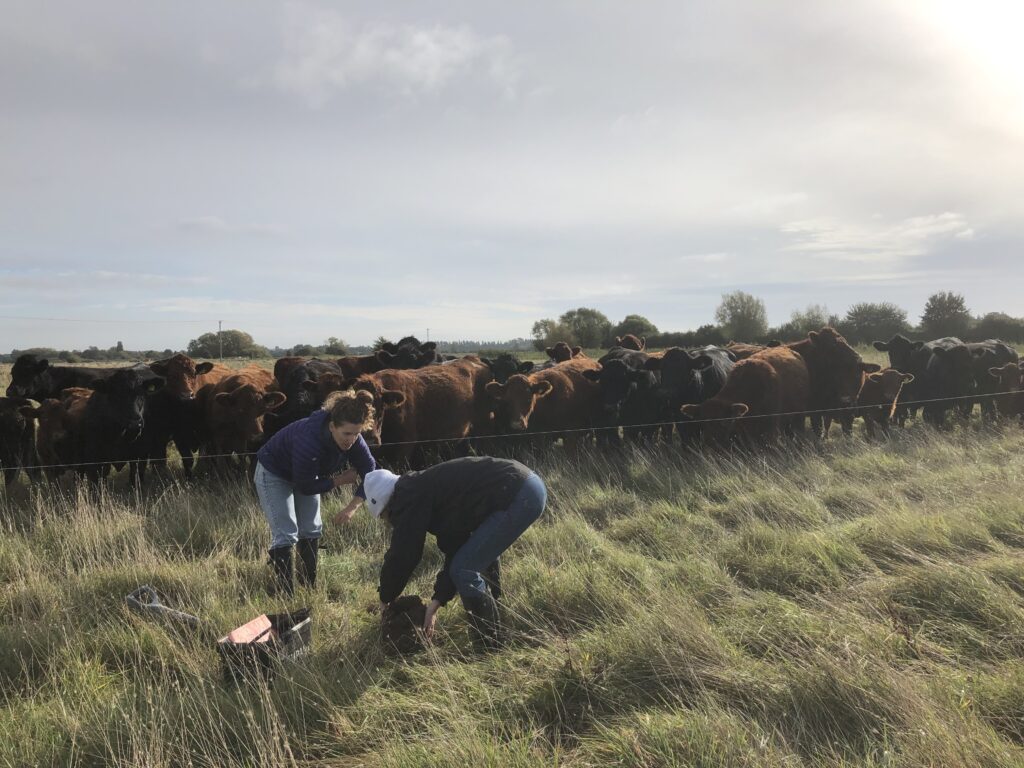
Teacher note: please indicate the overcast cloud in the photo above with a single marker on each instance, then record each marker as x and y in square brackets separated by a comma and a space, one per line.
[311, 169]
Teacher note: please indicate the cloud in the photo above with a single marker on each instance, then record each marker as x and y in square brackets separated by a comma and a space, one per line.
[325, 55]
[831, 239]
[706, 258]
[217, 225]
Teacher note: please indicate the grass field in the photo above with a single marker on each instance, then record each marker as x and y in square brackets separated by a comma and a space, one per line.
[851, 604]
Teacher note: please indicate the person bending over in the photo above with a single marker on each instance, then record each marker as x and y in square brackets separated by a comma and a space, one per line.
[475, 507]
[302, 461]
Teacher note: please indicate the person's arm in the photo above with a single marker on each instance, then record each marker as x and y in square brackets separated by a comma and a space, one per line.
[403, 555]
[361, 459]
[346, 514]
[444, 587]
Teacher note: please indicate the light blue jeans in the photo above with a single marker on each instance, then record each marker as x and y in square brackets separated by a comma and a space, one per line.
[495, 535]
[291, 515]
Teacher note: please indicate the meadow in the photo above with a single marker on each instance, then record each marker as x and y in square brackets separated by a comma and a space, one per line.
[849, 603]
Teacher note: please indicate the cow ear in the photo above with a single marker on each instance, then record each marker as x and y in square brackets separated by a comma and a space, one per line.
[907, 378]
[618, 341]
[979, 352]
[494, 389]
[916, 344]
[652, 364]
[550, 351]
[592, 375]
[159, 367]
[643, 342]
[881, 346]
[487, 361]
[940, 352]
[389, 346]
[875, 377]
[527, 367]
[812, 335]
[392, 398]
[153, 385]
[995, 373]
[576, 351]
[311, 385]
[428, 346]
[870, 367]
[741, 409]
[274, 400]
[384, 357]
[691, 411]
[541, 388]
[30, 411]
[702, 362]
[203, 368]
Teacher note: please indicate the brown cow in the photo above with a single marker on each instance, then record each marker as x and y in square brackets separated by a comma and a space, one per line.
[630, 341]
[234, 409]
[1010, 401]
[836, 373]
[561, 352]
[756, 392]
[354, 366]
[436, 404]
[877, 401]
[58, 438]
[741, 351]
[556, 400]
[183, 376]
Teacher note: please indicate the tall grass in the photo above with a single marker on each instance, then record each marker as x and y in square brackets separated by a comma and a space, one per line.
[848, 604]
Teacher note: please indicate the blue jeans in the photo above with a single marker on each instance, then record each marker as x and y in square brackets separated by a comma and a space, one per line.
[495, 535]
[292, 516]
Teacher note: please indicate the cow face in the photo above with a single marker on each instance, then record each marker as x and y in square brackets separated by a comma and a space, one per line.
[506, 365]
[883, 389]
[630, 341]
[383, 399]
[616, 382]
[679, 369]
[1008, 376]
[520, 396]
[561, 352]
[900, 350]
[243, 409]
[718, 419]
[843, 367]
[27, 376]
[180, 373]
[124, 399]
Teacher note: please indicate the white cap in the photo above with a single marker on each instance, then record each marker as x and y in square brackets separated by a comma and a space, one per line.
[378, 487]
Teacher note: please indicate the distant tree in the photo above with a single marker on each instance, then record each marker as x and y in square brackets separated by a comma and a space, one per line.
[945, 314]
[303, 350]
[334, 346]
[814, 318]
[380, 342]
[998, 325]
[236, 344]
[92, 353]
[638, 325]
[589, 327]
[120, 346]
[546, 332]
[866, 322]
[742, 317]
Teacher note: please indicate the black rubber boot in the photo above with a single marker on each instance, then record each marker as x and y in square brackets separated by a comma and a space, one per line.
[484, 622]
[281, 559]
[493, 578]
[305, 567]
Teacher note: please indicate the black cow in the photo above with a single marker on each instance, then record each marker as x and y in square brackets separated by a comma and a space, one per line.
[689, 377]
[943, 375]
[114, 421]
[35, 378]
[408, 354]
[505, 365]
[300, 387]
[628, 393]
[17, 438]
[990, 353]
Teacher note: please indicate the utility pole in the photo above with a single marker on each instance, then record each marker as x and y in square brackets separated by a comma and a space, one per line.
[220, 341]
[428, 334]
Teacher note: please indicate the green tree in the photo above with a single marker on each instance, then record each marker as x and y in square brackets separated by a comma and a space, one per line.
[945, 314]
[547, 331]
[335, 346]
[814, 318]
[303, 350]
[589, 326]
[866, 322]
[638, 325]
[999, 325]
[380, 342]
[742, 317]
[236, 344]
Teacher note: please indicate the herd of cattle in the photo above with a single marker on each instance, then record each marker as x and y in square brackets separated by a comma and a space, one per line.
[58, 418]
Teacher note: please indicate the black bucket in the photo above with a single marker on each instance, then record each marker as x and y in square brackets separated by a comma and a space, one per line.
[290, 636]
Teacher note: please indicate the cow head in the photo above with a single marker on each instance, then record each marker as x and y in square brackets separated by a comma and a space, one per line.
[718, 419]
[244, 408]
[28, 376]
[520, 395]
[506, 365]
[382, 399]
[883, 389]
[561, 352]
[180, 372]
[679, 369]
[1008, 376]
[616, 382]
[630, 341]
[842, 368]
[900, 350]
[124, 399]
[955, 368]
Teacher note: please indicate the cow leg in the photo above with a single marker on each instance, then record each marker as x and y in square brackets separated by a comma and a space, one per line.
[10, 475]
[818, 426]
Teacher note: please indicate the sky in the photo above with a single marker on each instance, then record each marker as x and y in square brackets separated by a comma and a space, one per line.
[300, 170]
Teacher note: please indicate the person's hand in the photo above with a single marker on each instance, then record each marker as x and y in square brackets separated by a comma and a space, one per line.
[429, 618]
[344, 516]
